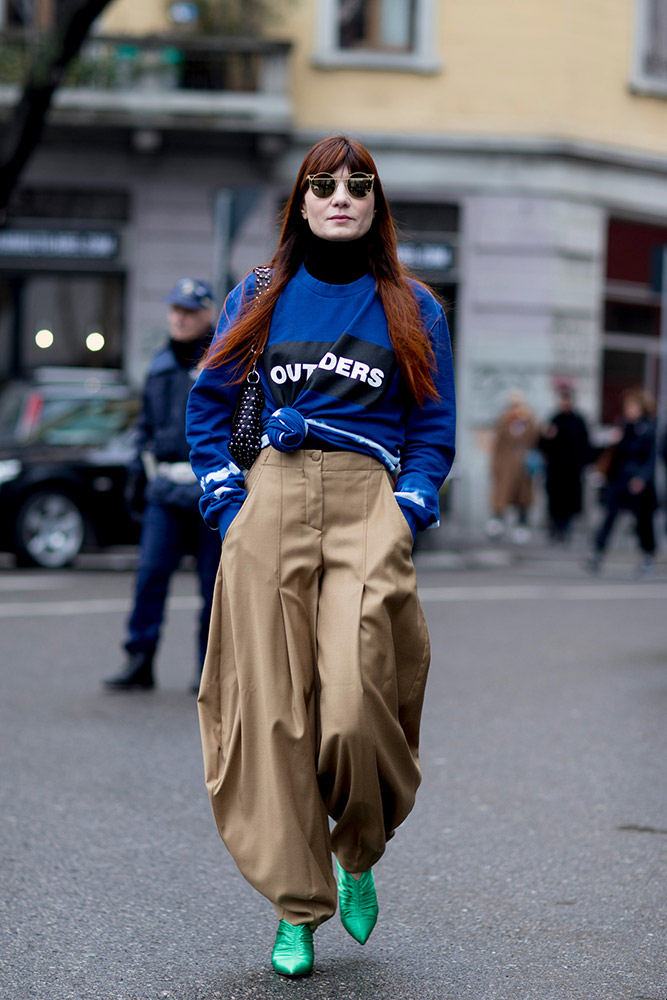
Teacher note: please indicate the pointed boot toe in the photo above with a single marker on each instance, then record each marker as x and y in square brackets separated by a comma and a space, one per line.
[293, 951]
[358, 904]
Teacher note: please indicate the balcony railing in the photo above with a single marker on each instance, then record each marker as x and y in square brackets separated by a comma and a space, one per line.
[165, 79]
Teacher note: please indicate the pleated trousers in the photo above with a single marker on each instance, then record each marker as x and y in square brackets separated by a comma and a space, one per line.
[313, 683]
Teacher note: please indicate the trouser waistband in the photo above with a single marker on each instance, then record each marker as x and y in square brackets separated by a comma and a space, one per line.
[332, 460]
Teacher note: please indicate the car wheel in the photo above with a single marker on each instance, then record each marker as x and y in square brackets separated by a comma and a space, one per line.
[49, 530]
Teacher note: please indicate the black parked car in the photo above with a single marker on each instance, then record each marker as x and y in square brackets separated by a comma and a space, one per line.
[66, 437]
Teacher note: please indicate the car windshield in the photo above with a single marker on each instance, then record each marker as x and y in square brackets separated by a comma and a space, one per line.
[87, 422]
[11, 404]
[88, 411]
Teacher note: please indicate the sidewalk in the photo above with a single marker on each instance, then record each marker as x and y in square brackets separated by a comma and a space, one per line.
[451, 548]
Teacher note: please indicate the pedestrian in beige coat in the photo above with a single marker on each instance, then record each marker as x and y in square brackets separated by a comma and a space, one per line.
[517, 434]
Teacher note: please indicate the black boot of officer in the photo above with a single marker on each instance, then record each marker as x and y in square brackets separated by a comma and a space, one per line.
[137, 673]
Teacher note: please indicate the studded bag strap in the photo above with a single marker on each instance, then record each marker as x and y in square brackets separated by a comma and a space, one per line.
[263, 277]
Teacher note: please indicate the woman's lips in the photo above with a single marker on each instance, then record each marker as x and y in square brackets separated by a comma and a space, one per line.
[340, 218]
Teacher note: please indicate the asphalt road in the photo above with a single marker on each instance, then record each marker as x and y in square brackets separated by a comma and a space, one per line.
[533, 867]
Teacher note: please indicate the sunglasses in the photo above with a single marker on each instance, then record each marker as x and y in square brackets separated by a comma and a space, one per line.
[324, 185]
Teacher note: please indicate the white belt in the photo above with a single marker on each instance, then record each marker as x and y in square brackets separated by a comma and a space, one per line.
[175, 472]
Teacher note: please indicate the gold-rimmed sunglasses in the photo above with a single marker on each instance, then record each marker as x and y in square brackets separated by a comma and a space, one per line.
[358, 185]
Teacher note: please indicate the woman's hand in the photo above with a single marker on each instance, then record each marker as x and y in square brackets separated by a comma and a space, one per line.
[636, 485]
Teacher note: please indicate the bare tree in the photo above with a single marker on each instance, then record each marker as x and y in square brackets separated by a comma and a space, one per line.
[62, 27]
[60, 45]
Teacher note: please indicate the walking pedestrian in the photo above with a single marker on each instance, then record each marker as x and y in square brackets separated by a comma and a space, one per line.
[515, 440]
[310, 707]
[566, 447]
[631, 479]
[171, 525]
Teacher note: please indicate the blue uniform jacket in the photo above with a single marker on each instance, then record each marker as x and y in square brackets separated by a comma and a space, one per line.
[161, 427]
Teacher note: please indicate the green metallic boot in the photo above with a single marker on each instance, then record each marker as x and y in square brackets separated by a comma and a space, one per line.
[293, 952]
[358, 904]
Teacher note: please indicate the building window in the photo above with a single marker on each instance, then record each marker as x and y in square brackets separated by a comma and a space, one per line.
[650, 75]
[387, 25]
[69, 203]
[633, 313]
[377, 34]
[81, 314]
[15, 14]
[27, 13]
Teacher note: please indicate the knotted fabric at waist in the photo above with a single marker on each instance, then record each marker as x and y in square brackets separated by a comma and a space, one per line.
[287, 430]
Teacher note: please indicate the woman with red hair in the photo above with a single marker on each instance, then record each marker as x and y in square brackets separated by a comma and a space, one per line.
[318, 652]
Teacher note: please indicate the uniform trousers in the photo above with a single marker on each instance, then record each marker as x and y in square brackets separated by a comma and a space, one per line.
[314, 678]
[167, 534]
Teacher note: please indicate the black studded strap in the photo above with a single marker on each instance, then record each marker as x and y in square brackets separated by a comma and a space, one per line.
[245, 442]
[262, 279]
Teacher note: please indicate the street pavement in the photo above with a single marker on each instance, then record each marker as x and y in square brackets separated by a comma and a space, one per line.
[533, 866]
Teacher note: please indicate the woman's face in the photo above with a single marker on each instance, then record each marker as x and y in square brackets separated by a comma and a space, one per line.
[339, 217]
[632, 411]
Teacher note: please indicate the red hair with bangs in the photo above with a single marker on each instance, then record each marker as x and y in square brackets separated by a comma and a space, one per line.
[409, 339]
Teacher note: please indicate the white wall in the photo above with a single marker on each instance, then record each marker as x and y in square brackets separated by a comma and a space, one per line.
[528, 317]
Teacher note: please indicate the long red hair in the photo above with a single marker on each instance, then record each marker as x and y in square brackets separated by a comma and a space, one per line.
[409, 339]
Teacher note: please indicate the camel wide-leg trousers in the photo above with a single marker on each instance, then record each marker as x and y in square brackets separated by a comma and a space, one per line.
[313, 684]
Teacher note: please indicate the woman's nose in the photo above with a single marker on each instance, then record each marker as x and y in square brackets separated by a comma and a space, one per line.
[340, 195]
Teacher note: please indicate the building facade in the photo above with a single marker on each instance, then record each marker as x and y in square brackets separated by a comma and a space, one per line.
[523, 148]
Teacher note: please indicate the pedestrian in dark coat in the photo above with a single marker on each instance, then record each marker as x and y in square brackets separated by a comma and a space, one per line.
[567, 451]
[161, 479]
[631, 478]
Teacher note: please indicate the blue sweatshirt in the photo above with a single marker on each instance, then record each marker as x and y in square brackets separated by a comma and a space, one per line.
[329, 370]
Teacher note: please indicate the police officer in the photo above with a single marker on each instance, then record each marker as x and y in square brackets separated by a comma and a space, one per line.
[171, 523]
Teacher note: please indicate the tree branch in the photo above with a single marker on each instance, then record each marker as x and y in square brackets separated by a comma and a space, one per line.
[23, 131]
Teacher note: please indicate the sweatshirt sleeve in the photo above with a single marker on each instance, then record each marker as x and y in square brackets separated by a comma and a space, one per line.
[428, 452]
[208, 428]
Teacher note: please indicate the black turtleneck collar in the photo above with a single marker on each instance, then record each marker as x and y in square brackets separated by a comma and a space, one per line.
[189, 353]
[336, 262]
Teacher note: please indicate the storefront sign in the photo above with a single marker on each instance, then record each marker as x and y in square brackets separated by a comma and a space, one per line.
[427, 256]
[60, 244]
